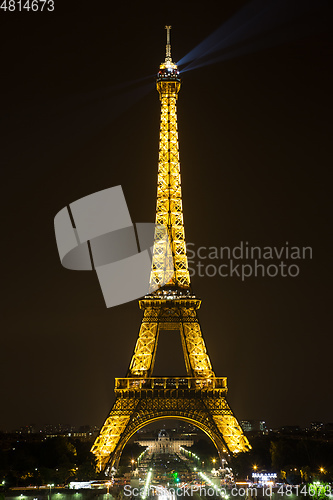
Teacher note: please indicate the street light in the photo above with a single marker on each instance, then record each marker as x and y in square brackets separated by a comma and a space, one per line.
[50, 486]
[108, 484]
[132, 462]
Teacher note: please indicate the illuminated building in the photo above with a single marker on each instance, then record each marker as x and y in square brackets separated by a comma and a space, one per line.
[200, 397]
[164, 444]
[254, 426]
[246, 425]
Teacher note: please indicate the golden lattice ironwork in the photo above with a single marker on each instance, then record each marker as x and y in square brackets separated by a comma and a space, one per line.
[170, 311]
[169, 208]
[199, 398]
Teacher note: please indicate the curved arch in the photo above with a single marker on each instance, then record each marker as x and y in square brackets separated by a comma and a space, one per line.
[214, 437]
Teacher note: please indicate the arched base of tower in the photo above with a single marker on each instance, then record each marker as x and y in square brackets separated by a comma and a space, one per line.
[204, 409]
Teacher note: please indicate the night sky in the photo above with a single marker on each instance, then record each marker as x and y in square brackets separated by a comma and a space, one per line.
[80, 114]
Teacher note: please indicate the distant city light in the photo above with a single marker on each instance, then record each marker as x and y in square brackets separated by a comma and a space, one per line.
[264, 475]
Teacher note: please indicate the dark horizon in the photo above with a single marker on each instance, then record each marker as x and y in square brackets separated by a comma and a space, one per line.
[165, 424]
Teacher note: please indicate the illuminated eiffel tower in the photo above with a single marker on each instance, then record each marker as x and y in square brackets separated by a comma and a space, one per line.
[199, 398]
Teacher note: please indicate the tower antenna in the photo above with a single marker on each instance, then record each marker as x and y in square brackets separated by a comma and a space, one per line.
[168, 45]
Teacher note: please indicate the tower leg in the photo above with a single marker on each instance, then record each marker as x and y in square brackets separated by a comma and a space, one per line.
[145, 350]
[195, 346]
[113, 428]
[227, 425]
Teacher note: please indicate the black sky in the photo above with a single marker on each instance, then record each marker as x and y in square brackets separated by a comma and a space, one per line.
[255, 145]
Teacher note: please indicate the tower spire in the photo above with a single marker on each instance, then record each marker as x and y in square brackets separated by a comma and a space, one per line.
[168, 45]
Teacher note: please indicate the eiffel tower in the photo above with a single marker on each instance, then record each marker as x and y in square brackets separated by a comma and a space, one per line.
[200, 397]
